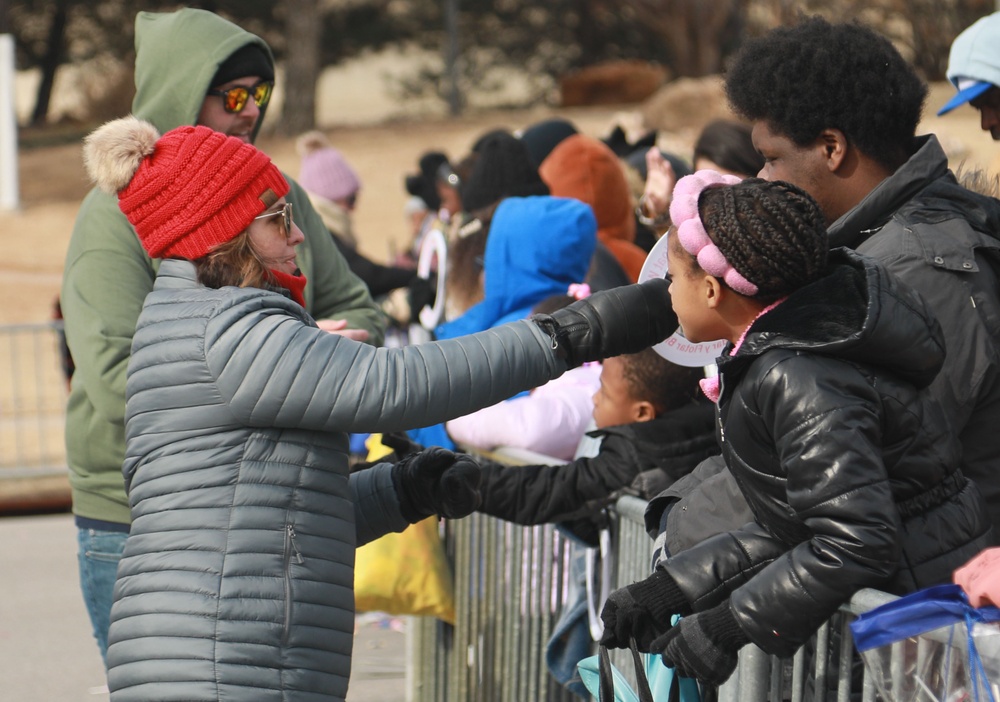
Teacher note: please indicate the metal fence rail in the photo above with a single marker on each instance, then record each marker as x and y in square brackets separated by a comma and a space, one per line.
[32, 401]
[511, 583]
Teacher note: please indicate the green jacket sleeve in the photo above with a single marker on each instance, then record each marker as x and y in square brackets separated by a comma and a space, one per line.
[332, 290]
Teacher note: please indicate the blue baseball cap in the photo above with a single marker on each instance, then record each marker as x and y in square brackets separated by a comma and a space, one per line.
[968, 89]
[974, 61]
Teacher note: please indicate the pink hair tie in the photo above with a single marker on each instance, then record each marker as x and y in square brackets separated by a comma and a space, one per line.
[579, 290]
[691, 232]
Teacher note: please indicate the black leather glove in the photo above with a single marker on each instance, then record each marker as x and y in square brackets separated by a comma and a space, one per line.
[401, 444]
[611, 322]
[420, 293]
[643, 610]
[436, 481]
[704, 646]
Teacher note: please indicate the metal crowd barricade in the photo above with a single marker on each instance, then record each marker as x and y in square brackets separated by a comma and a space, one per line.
[510, 584]
[32, 398]
[32, 415]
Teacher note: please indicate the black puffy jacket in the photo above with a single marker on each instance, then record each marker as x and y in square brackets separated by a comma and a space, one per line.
[848, 465]
[641, 458]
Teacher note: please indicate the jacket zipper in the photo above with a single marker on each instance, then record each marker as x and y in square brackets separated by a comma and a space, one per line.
[290, 548]
[718, 413]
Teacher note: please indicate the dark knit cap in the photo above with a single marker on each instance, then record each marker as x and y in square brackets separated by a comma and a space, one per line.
[540, 138]
[249, 60]
[503, 169]
[424, 183]
[618, 142]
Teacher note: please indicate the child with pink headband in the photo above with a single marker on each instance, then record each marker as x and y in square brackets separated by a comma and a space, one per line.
[824, 420]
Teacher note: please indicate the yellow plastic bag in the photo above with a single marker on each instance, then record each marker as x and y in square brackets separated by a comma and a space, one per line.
[404, 573]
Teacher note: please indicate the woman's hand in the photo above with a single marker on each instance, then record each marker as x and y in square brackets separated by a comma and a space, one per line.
[980, 578]
[339, 327]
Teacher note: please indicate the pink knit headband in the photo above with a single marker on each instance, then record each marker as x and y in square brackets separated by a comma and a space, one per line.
[691, 232]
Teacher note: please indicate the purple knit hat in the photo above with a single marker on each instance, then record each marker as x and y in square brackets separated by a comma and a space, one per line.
[324, 170]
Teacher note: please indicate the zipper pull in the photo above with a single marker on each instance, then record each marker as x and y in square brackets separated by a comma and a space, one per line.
[291, 540]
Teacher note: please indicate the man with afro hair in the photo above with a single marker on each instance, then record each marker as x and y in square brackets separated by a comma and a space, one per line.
[835, 110]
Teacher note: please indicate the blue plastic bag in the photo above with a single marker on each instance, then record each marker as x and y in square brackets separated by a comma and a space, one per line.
[655, 680]
[932, 645]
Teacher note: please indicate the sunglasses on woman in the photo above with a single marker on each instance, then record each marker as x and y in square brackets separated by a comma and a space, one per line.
[286, 217]
[235, 99]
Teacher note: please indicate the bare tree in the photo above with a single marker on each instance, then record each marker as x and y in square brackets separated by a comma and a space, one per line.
[51, 61]
[303, 31]
[922, 29]
[698, 33]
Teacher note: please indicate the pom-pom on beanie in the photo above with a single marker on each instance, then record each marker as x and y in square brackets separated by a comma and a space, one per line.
[324, 170]
[185, 192]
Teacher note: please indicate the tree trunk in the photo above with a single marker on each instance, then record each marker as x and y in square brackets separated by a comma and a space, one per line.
[303, 29]
[693, 29]
[50, 62]
[5, 26]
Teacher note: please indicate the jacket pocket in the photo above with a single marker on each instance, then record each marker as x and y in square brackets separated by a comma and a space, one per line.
[290, 554]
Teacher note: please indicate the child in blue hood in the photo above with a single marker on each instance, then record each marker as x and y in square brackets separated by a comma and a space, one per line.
[537, 247]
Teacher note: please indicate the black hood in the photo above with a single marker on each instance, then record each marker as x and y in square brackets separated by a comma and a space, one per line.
[859, 312]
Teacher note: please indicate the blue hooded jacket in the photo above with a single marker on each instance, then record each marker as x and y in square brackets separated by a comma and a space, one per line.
[537, 247]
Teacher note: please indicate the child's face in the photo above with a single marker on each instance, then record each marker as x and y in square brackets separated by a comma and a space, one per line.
[613, 401]
[688, 295]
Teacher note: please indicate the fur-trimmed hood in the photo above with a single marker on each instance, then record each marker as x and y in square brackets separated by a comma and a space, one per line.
[858, 312]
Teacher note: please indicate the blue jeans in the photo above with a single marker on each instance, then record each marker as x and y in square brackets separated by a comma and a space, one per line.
[98, 556]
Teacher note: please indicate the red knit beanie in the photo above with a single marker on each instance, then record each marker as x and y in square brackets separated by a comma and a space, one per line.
[185, 192]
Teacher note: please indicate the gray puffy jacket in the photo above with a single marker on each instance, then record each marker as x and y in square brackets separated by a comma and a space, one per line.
[237, 578]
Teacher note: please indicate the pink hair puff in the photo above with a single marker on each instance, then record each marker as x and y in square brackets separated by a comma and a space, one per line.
[691, 231]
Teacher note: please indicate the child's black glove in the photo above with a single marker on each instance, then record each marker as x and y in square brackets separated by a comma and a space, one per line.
[436, 481]
[704, 645]
[401, 444]
[420, 293]
[609, 323]
[643, 610]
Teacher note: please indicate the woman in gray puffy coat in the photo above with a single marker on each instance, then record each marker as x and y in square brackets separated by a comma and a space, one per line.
[237, 577]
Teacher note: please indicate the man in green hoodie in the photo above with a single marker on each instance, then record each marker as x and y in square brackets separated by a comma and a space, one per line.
[191, 67]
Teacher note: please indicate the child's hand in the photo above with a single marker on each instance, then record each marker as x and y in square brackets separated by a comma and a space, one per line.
[642, 611]
[704, 646]
[660, 182]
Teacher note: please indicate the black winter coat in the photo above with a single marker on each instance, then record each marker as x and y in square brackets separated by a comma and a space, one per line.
[942, 240]
[642, 458]
[845, 460]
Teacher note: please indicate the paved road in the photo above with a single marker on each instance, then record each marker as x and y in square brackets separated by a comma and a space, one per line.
[47, 652]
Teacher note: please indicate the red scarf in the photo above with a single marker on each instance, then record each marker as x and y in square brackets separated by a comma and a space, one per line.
[294, 284]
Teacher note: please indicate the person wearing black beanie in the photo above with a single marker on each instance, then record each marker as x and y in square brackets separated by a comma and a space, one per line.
[249, 60]
[424, 183]
[503, 169]
[542, 137]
